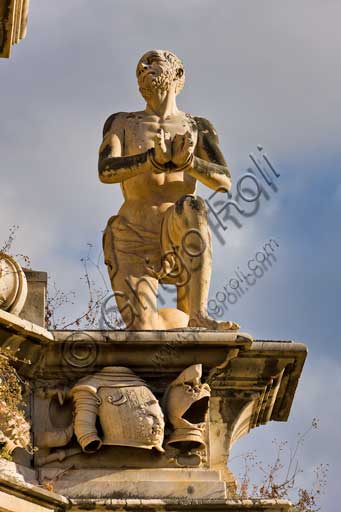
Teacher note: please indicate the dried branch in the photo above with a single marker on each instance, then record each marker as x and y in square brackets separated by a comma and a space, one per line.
[278, 480]
[96, 294]
[8, 244]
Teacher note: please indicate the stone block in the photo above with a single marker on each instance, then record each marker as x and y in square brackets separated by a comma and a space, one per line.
[34, 309]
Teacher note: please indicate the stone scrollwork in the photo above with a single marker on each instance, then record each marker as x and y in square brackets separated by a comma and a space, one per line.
[13, 285]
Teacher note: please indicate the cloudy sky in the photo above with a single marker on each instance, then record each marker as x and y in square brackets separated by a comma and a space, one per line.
[263, 72]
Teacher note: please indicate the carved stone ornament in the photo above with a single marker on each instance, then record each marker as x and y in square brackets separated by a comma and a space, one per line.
[186, 402]
[129, 413]
[13, 285]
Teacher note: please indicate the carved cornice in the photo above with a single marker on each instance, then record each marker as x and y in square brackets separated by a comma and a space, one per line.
[23, 339]
[258, 386]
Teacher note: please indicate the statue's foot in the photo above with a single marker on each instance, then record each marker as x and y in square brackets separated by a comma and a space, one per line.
[206, 322]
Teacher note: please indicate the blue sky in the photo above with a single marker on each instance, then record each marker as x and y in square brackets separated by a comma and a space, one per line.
[264, 73]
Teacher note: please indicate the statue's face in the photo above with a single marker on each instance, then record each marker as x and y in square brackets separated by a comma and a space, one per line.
[157, 70]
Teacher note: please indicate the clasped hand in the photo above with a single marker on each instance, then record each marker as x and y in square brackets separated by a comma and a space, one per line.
[178, 150]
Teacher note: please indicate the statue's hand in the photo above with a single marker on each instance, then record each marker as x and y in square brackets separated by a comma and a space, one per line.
[182, 149]
[162, 149]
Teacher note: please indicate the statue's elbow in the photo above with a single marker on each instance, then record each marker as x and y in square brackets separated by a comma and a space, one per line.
[102, 173]
[228, 184]
[104, 178]
[224, 184]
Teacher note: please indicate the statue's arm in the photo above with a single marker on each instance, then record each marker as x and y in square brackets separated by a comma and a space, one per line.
[112, 166]
[208, 164]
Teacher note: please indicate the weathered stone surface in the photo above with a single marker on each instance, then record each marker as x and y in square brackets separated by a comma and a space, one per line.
[23, 339]
[153, 352]
[156, 357]
[168, 483]
[186, 505]
[20, 496]
[251, 383]
[128, 412]
[18, 472]
[12, 324]
[256, 387]
[192, 490]
[13, 285]
[34, 309]
[186, 403]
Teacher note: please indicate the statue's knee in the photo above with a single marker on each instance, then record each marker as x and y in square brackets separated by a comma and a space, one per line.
[190, 204]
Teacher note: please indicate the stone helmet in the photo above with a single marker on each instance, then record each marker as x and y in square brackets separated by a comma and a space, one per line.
[186, 404]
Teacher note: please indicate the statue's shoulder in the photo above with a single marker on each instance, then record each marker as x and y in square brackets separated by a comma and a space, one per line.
[111, 119]
[205, 127]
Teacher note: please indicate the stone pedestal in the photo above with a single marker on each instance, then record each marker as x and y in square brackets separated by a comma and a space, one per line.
[251, 382]
[231, 382]
[21, 492]
[35, 306]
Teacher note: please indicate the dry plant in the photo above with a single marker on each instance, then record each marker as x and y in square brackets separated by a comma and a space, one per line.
[57, 299]
[278, 480]
[6, 248]
[14, 428]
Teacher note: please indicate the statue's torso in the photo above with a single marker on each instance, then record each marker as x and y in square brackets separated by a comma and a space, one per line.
[149, 195]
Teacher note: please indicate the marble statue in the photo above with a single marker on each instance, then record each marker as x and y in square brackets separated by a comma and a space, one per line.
[161, 234]
[142, 418]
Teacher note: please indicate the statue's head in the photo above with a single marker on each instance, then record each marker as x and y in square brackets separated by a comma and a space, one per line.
[158, 69]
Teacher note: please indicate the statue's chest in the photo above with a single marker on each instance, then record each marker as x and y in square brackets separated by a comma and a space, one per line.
[140, 133]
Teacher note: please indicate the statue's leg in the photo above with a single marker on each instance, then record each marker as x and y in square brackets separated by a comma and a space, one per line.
[136, 297]
[186, 229]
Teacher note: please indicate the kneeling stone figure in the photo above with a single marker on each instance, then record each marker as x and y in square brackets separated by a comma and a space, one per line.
[160, 234]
